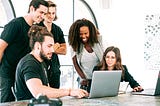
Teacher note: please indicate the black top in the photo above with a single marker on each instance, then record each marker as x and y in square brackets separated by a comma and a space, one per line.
[127, 77]
[55, 64]
[28, 68]
[15, 33]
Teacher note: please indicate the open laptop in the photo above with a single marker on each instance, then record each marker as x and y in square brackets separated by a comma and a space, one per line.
[152, 91]
[105, 83]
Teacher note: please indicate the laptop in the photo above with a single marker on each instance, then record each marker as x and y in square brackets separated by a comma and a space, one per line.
[151, 91]
[105, 83]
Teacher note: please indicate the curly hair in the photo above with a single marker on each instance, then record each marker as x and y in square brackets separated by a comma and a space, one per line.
[74, 34]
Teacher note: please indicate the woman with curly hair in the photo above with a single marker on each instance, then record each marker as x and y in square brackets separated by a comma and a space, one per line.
[86, 49]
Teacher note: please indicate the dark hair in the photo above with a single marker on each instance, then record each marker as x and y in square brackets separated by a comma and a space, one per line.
[118, 66]
[37, 3]
[51, 4]
[37, 33]
[74, 33]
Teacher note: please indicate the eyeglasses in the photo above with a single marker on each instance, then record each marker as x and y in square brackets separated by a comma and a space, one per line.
[110, 57]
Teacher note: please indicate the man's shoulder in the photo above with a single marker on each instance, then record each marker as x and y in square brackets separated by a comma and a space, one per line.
[29, 59]
[18, 19]
[16, 22]
[56, 27]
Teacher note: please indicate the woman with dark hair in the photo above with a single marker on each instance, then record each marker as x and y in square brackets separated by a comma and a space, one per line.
[112, 61]
[86, 49]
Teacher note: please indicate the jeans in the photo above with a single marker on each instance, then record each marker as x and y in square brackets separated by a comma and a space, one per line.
[6, 94]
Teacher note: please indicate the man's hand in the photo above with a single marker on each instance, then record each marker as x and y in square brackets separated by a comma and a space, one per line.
[79, 93]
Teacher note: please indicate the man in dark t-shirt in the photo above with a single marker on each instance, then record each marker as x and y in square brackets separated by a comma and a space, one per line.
[29, 67]
[31, 73]
[59, 42]
[14, 44]
[55, 64]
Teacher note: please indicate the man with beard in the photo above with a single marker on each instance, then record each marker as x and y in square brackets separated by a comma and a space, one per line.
[59, 46]
[32, 72]
[14, 44]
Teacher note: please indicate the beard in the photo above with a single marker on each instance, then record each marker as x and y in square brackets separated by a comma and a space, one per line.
[43, 56]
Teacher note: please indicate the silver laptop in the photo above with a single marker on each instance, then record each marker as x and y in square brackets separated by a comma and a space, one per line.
[105, 83]
[152, 91]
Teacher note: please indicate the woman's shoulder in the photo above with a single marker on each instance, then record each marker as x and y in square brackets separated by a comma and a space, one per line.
[95, 68]
[125, 67]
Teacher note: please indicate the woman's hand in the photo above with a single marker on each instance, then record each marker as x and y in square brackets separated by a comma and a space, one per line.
[137, 89]
[84, 82]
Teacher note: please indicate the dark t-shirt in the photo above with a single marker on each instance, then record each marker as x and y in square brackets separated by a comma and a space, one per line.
[15, 33]
[55, 64]
[28, 68]
[58, 38]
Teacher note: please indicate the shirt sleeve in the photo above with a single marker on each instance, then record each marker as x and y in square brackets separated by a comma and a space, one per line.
[73, 53]
[31, 71]
[129, 78]
[62, 40]
[10, 31]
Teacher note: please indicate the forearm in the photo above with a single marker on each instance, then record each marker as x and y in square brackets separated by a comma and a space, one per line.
[62, 49]
[78, 69]
[36, 88]
[80, 73]
[51, 92]
[3, 46]
[1, 54]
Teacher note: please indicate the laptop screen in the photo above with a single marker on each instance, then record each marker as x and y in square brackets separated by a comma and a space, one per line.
[105, 83]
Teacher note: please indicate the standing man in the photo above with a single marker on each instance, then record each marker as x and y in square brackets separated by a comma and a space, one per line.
[14, 44]
[59, 46]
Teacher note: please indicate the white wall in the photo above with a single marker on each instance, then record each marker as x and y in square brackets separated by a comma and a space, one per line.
[122, 25]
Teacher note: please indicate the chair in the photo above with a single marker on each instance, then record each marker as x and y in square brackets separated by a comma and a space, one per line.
[12, 88]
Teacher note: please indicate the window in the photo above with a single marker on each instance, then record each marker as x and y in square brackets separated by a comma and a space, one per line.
[7, 13]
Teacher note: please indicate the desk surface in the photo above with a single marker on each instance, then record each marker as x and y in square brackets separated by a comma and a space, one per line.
[120, 100]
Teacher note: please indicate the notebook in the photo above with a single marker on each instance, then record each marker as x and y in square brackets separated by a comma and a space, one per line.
[105, 83]
[151, 91]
